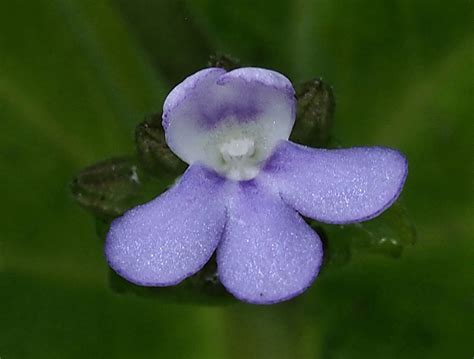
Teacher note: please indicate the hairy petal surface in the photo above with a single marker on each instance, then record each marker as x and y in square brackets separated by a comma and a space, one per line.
[336, 186]
[268, 253]
[170, 238]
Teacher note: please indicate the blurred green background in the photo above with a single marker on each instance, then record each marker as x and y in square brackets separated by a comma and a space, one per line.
[76, 76]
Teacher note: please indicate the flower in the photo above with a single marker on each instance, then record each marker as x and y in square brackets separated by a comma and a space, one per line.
[245, 190]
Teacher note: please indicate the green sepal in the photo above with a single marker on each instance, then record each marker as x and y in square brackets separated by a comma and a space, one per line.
[153, 151]
[201, 288]
[337, 250]
[314, 114]
[223, 61]
[387, 234]
[111, 187]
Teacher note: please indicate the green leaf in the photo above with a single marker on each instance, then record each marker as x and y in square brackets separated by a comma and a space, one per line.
[388, 234]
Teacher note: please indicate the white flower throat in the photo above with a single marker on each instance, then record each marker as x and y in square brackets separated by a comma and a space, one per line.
[233, 148]
[229, 123]
[239, 160]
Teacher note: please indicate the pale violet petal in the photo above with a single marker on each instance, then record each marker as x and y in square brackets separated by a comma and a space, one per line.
[258, 75]
[170, 238]
[189, 86]
[336, 186]
[268, 253]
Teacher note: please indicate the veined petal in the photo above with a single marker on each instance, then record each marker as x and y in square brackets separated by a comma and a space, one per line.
[173, 236]
[336, 186]
[268, 253]
[213, 109]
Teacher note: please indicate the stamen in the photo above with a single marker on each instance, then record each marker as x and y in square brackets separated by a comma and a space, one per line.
[238, 155]
[237, 148]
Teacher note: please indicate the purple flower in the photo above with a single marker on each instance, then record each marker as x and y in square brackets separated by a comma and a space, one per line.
[244, 191]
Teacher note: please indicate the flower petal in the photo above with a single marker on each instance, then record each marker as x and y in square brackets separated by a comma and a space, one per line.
[336, 186]
[213, 106]
[261, 76]
[268, 253]
[170, 238]
[192, 85]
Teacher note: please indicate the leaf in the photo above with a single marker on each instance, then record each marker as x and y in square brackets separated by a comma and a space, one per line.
[387, 234]
[391, 230]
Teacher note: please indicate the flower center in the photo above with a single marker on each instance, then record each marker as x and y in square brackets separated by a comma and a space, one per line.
[239, 160]
[237, 149]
